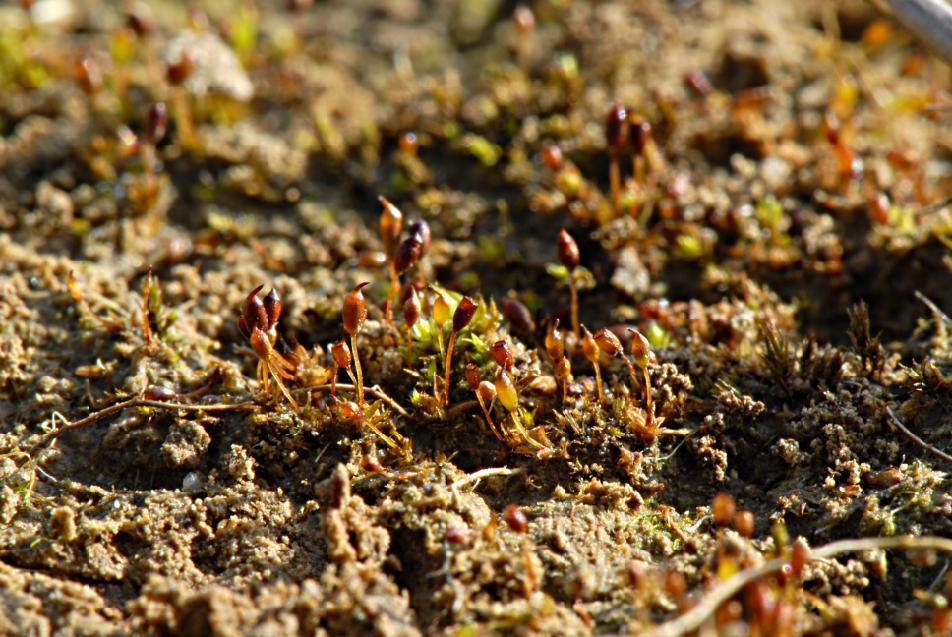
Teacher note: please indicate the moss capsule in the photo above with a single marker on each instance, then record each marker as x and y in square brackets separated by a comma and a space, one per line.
[391, 225]
[464, 313]
[355, 310]
[516, 519]
[506, 391]
[502, 354]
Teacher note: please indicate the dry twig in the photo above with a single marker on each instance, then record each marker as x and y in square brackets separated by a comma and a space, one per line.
[913, 437]
[697, 616]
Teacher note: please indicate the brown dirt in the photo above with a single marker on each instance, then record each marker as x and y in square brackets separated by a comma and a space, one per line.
[746, 254]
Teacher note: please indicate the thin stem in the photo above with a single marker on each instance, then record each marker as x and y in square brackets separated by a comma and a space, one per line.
[374, 391]
[284, 390]
[334, 380]
[573, 307]
[486, 473]
[695, 618]
[525, 434]
[387, 439]
[615, 178]
[439, 343]
[916, 439]
[598, 381]
[489, 419]
[391, 292]
[147, 155]
[133, 402]
[649, 407]
[631, 372]
[410, 346]
[183, 117]
[360, 372]
[447, 368]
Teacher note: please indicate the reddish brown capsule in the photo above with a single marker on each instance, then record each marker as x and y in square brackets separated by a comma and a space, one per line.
[156, 123]
[196, 19]
[178, 71]
[675, 584]
[518, 315]
[502, 354]
[355, 310]
[411, 309]
[391, 225]
[878, 207]
[723, 508]
[589, 347]
[421, 229]
[523, 19]
[616, 129]
[640, 136]
[254, 314]
[455, 535]
[272, 307]
[473, 377]
[698, 82]
[552, 157]
[408, 253]
[464, 313]
[641, 348]
[139, 20]
[487, 391]
[159, 393]
[341, 354]
[608, 342]
[350, 411]
[568, 250]
[516, 519]
[409, 143]
[88, 74]
[831, 128]
[744, 523]
[299, 5]
[799, 556]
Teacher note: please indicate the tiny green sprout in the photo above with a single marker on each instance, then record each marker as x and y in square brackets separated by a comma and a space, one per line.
[465, 310]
